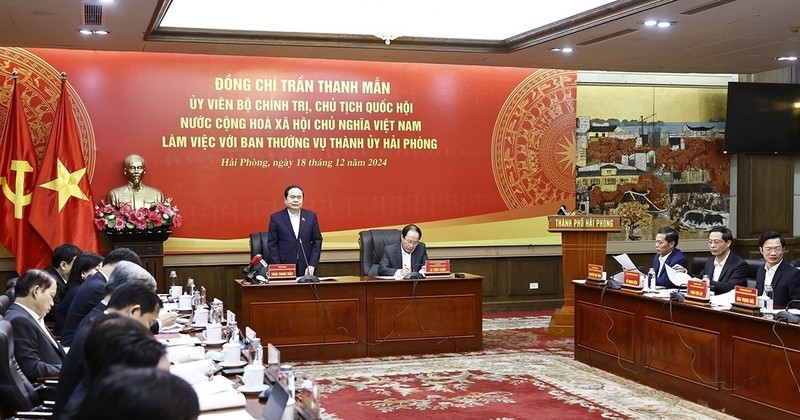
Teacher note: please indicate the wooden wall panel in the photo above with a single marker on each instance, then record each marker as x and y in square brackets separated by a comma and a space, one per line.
[765, 194]
[612, 334]
[767, 364]
[696, 351]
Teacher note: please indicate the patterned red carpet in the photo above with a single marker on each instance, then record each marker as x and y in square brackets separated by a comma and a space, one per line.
[522, 373]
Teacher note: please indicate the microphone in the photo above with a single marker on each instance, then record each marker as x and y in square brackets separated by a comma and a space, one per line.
[257, 268]
[787, 316]
[249, 267]
[676, 296]
[308, 278]
[414, 275]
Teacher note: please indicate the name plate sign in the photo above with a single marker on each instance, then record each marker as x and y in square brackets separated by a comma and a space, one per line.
[745, 296]
[282, 271]
[437, 267]
[631, 278]
[583, 223]
[697, 289]
[595, 272]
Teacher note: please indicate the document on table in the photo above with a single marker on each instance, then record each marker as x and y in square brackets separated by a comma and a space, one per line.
[625, 261]
[724, 300]
[678, 279]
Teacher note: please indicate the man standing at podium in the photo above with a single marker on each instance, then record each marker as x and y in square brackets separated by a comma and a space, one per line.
[293, 236]
[667, 254]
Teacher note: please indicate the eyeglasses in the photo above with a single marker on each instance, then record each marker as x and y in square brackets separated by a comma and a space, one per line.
[775, 249]
[410, 242]
[715, 242]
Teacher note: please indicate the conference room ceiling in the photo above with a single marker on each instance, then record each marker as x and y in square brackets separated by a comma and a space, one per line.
[708, 36]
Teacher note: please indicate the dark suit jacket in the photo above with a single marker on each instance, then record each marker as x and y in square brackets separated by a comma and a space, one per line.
[734, 273]
[89, 294]
[60, 289]
[284, 247]
[74, 369]
[392, 259]
[62, 308]
[785, 284]
[676, 257]
[36, 354]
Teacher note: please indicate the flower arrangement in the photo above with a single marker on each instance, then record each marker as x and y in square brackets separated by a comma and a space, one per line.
[125, 218]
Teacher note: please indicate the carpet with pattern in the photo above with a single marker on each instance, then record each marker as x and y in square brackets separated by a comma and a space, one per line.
[522, 373]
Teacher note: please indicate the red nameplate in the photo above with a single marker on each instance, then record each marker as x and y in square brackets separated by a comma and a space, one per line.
[595, 272]
[282, 271]
[437, 267]
[745, 296]
[631, 278]
[697, 289]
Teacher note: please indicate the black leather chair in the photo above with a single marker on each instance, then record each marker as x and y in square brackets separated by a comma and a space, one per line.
[752, 268]
[5, 302]
[371, 244]
[258, 244]
[17, 395]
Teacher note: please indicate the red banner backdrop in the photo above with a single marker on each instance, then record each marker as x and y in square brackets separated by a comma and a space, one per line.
[372, 144]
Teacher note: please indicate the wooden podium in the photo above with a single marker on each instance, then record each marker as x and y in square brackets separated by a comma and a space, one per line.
[583, 242]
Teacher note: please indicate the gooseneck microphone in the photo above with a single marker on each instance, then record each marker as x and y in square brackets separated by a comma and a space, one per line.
[308, 278]
[414, 274]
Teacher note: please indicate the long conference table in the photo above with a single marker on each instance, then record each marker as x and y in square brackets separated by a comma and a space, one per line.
[725, 360]
[352, 316]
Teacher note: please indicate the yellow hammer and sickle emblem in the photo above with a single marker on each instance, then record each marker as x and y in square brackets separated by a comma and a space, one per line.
[18, 197]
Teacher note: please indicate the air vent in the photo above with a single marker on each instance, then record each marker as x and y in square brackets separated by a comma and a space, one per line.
[607, 37]
[93, 15]
[707, 6]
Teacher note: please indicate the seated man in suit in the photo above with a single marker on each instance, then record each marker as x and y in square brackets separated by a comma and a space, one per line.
[36, 350]
[726, 270]
[61, 266]
[777, 273]
[293, 236]
[407, 256]
[667, 253]
[135, 300]
[92, 291]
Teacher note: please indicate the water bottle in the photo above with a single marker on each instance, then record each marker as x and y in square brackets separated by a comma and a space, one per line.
[651, 279]
[173, 278]
[768, 303]
[707, 282]
[286, 373]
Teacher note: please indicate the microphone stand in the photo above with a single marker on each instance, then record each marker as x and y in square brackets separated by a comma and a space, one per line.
[308, 278]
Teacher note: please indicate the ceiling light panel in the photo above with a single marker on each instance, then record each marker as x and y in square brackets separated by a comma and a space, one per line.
[411, 18]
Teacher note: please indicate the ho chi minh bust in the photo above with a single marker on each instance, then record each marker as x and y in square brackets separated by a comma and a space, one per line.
[134, 192]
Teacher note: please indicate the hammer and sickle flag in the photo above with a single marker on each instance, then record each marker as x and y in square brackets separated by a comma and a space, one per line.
[18, 168]
[62, 210]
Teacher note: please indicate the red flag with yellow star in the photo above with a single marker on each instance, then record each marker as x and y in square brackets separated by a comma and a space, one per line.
[63, 207]
[18, 168]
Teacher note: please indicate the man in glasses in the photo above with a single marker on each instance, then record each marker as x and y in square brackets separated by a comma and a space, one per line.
[407, 256]
[782, 276]
[726, 270]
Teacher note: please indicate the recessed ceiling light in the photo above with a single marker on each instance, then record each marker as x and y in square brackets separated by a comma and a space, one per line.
[658, 23]
[564, 50]
[787, 58]
[93, 31]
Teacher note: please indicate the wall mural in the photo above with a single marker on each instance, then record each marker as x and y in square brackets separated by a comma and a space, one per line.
[653, 155]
